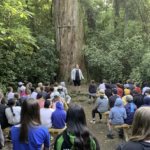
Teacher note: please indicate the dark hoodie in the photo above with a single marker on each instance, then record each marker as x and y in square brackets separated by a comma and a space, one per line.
[134, 146]
[59, 116]
[146, 102]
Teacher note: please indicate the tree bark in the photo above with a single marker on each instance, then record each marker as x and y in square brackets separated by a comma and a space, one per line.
[69, 37]
[125, 18]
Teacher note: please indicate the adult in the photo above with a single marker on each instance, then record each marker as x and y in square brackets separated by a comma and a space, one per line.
[20, 84]
[140, 136]
[112, 99]
[112, 84]
[47, 87]
[121, 84]
[42, 88]
[131, 85]
[101, 106]
[108, 90]
[77, 134]
[137, 87]
[102, 86]
[146, 87]
[130, 110]
[29, 134]
[40, 100]
[137, 98]
[46, 114]
[76, 76]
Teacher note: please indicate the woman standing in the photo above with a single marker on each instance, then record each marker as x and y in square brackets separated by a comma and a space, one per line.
[76, 76]
[29, 134]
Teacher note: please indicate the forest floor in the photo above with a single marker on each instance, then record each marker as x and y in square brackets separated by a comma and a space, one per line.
[100, 130]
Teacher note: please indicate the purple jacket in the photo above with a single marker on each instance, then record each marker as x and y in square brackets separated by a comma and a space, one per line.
[130, 110]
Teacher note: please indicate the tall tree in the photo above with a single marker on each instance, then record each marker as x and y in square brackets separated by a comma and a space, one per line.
[69, 37]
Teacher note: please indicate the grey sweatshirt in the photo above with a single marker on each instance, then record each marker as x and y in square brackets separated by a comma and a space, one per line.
[101, 104]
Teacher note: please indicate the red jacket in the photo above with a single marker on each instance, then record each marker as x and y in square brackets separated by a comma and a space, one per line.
[120, 92]
[138, 89]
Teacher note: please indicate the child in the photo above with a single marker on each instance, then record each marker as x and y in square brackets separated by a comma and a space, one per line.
[33, 93]
[55, 86]
[136, 85]
[120, 91]
[10, 93]
[47, 87]
[40, 100]
[126, 90]
[130, 110]
[92, 90]
[28, 95]
[117, 116]
[22, 89]
[38, 88]
[59, 116]
[107, 90]
[42, 88]
[20, 85]
[138, 98]
[17, 99]
[62, 94]
[66, 92]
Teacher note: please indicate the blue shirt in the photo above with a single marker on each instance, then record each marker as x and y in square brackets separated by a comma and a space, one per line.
[36, 137]
[34, 95]
[102, 86]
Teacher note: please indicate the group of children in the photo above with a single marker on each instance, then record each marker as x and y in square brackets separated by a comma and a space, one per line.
[121, 100]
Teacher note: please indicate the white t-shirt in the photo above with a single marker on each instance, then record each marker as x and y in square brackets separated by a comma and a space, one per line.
[10, 96]
[13, 119]
[46, 114]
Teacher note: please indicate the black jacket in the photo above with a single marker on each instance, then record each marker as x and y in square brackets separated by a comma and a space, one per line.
[138, 100]
[131, 87]
[112, 86]
[66, 145]
[108, 93]
[92, 89]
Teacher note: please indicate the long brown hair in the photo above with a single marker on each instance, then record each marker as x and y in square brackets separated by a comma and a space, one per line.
[141, 125]
[30, 116]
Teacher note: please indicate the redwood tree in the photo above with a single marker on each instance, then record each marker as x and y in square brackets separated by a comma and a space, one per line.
[69, 37]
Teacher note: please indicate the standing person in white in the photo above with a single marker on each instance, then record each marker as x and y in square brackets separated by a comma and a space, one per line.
[102, 86]
[76, 76]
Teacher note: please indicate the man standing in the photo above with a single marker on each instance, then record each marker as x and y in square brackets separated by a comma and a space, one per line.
[102, 86]
[76, 76]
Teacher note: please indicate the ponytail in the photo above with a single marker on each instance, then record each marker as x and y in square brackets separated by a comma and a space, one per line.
[12, 111]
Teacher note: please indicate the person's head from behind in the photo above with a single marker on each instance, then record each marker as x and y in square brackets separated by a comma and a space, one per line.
[40, 95]
[30, 84]
[12, 103]
[56, 99]
[30, 116]
[112, 81]
[52, 89]
[1, 95]
[32, 89]
[129, 81]
[60, 89]
[47, 84]
[107, 86]
[135, 92]
[114, 91]
[146, 100]
[146, 84]
[136, 84]
[40, 84]
[17, 95]
[93, 82]
[129, 98]
[120, 81]
[22, 89]
[118, 85]
[28, 92]
[126, 86]
[9, 89]
[141, 125]
[55, 84]
[104, 80]
[47, 104]
[42, 88]
[101, 93]
[77, 66]
[147, 92]
[76, 125]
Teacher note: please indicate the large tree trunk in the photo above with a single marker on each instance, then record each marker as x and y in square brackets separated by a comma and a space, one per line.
[69, 37]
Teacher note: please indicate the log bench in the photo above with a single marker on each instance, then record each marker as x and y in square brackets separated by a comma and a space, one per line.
[107, 115]
[125, 128]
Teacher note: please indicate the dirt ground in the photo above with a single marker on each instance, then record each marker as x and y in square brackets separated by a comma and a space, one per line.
[100, 130]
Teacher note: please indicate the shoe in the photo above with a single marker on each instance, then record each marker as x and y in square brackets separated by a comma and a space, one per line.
[110, 136]
[89, 102]
[8, 139]
[78, 91]
[93, 122]
[101, 121]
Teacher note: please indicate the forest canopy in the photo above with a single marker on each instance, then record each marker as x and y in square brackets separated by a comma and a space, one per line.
[116, 35]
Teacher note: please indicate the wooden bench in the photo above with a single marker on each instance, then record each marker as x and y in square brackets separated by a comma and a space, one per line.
[6, 129]
[52, 130]
[107, 115]
[125, 128]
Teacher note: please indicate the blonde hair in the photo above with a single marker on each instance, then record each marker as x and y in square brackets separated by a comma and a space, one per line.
[40, 84]
[141, 125]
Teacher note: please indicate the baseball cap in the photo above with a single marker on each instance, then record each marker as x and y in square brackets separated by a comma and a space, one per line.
[20, 83]
[56, 93]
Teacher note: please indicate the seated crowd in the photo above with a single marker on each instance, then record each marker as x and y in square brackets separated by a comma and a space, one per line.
[32, 111]
[121, 100]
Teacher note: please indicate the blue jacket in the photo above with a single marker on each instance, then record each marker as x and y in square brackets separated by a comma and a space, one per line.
[59, 116]
[130, 110]
[118, 113]
[146, 101]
